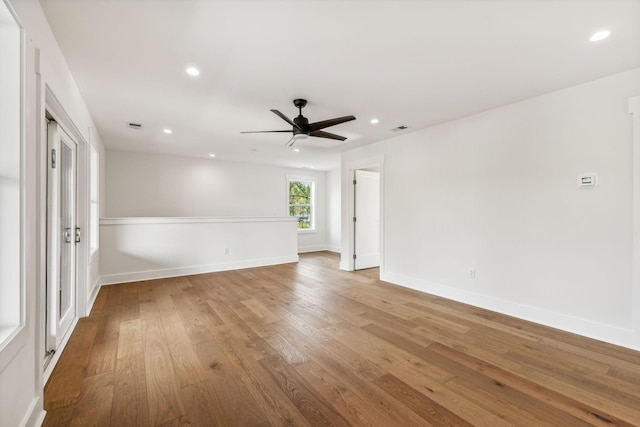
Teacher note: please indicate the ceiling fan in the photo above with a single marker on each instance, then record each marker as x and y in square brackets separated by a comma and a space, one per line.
[301, 127]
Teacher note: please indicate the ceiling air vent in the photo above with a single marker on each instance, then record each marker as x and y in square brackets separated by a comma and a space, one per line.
[135, 125]
[401, 127]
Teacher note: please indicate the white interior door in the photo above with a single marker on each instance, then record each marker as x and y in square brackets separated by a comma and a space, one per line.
[61, 235]
[367, 219]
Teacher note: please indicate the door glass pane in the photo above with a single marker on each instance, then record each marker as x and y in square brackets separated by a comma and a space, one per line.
[67, 229]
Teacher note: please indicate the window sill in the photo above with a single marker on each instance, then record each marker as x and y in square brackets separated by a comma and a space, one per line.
[12, 341]
[307, 231]
[6, 333]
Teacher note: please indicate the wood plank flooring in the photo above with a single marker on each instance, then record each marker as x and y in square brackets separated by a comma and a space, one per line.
[307, 345]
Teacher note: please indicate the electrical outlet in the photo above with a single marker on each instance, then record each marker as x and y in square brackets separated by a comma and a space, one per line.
[472, 273]
[227, 251]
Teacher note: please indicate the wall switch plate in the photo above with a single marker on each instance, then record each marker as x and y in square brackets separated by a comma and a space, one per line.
[472, 273]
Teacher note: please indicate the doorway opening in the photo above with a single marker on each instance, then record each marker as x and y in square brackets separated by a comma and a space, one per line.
[362, 214]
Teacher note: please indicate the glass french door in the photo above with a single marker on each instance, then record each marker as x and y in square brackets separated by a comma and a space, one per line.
[61, 235]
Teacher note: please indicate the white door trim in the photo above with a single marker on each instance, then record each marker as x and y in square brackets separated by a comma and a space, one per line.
[347, 246]
[59, 324]
[634, 110]
[47, 102]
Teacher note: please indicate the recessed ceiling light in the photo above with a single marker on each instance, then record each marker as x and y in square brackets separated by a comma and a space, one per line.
[167, 131]
[297, 150]
[212, 155]
[374, 121]
[600, 35]
[192, 71]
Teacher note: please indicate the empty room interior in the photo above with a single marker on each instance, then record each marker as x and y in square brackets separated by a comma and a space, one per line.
[306, 212]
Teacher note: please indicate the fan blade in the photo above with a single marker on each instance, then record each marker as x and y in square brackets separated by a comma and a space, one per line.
[285, 118]
[323, 134]
[331, 122]
[266, 131]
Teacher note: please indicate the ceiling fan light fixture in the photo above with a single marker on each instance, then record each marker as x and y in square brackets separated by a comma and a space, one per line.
[297, 137]
[302, 129]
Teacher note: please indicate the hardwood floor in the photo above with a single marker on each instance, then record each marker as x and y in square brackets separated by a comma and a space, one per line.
[307, 344]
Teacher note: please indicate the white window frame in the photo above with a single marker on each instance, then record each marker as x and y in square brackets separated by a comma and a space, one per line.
[94, 200]
[314, 183]
[13, 334]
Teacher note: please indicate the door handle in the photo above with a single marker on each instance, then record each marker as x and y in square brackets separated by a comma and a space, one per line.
[77, 234]
[67, 235]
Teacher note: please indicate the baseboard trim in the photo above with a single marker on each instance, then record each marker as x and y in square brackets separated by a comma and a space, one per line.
[34, 417]
[112, 279]
[611, 334]
[92, 296]
[314, 248]
[58, 353]
[319, 248]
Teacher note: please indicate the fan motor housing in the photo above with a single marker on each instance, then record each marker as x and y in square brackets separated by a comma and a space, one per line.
[303, 123]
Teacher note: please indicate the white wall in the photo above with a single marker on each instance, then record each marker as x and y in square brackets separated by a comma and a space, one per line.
[136, 249]
[333, 210]
[497, 192]
[21, 381]
[159, 185]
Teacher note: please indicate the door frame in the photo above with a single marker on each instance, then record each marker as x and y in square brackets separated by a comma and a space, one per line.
[58, 324]
[348, 201]
[49, 104]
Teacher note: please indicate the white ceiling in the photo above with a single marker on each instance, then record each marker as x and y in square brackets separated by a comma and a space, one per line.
[406, 62]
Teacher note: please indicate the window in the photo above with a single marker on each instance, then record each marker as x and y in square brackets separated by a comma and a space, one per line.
[301, 194]
[11, 179]
[94, 197]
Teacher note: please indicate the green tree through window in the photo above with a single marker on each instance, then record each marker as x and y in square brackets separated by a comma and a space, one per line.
[301, 203]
